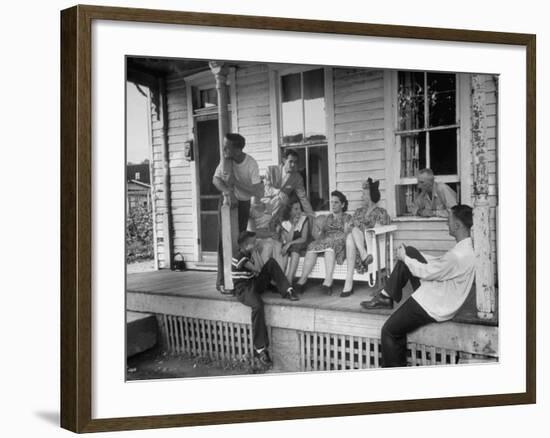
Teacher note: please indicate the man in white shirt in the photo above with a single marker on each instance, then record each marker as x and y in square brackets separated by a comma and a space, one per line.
[440, 284]
[240, 181]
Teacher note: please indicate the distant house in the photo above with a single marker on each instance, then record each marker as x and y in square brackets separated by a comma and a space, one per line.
[138, 194]
[138, 172]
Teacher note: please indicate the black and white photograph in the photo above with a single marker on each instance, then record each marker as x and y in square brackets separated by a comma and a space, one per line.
[292, 218]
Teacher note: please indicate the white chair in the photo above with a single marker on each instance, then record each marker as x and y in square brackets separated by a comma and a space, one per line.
[379, 243]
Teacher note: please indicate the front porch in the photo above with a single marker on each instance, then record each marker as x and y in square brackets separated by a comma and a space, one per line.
[316, 333]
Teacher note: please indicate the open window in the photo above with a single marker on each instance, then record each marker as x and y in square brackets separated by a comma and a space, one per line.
[427, 132]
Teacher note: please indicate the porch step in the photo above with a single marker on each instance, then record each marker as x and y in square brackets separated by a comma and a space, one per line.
[141, 332]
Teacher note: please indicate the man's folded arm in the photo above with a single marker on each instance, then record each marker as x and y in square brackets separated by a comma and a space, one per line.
[439, 269]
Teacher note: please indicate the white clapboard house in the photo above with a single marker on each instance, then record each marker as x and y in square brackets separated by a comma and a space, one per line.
[347, 124]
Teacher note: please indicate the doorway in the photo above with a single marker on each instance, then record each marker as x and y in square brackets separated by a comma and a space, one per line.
[207, 159]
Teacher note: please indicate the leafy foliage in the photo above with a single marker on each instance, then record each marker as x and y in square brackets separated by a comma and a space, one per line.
[139, 234]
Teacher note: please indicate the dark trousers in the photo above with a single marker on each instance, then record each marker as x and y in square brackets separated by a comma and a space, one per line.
[249, 293]
[243, 213]
[406, 318]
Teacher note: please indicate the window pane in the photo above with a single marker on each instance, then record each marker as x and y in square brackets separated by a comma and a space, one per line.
[443, 152]
[315, 119]
[413, 154]
[208, 98]
[314, 105]
[292, 109]
[410, 100]
[291, 87]
[314, 84]
[318, 178]
[442, 98]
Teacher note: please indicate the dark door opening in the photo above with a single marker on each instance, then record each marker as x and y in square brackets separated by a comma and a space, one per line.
[208, 157]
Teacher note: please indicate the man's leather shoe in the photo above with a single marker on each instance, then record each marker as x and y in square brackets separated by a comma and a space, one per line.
[379, 301]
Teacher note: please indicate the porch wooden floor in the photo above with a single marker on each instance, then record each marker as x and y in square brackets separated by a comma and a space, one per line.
[201, 284]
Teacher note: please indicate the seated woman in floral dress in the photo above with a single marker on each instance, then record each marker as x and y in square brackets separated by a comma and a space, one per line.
[366, 216]
[294, 233]
[329, 241]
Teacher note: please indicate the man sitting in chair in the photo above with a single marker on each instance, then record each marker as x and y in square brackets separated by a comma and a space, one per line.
[434, 198]
[440, 284]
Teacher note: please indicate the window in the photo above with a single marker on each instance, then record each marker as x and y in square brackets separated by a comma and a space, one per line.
[427, 131]
[138, 176]
[303, 128]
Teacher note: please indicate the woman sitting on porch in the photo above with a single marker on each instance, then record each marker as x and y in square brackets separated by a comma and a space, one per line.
[295, 233]
[367, 216]
[330, 240]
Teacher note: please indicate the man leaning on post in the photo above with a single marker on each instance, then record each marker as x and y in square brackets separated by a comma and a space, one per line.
[240, 181]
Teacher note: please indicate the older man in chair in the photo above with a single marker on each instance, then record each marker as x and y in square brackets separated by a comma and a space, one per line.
[434, 199]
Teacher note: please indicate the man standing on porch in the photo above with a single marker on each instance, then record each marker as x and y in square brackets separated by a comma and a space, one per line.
[281, 180]
[239, 184]
[435, 198]
[440, 284]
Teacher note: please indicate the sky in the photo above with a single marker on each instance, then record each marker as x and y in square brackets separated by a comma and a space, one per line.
[137, 140]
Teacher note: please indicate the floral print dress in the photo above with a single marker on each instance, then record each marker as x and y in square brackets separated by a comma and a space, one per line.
[364, 220]
[333, 237]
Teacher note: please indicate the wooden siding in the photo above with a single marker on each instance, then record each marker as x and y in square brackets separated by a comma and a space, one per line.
[359, 131]
[430, 235]
[254, 122]
[184, 229]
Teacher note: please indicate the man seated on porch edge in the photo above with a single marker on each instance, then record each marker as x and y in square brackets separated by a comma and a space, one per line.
[250, 281]
[239, 180]
[281, 180]
[434, 198]
[440, 284]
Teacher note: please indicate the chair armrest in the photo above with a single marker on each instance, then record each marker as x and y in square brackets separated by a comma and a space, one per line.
[382, 229]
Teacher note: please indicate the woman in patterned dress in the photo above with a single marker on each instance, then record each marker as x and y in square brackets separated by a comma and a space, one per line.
[367, 216]
[330, 241]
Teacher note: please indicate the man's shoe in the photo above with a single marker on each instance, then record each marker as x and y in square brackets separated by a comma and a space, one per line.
[327, 290]
[263, 357]
[291, 295]
[379, 301]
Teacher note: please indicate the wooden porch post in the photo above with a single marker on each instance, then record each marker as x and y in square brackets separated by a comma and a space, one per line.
[229, 222]
[167, 203]
[485, 289]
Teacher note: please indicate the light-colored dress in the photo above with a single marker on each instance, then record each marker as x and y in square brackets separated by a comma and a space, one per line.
[332, 237]
[364, 220]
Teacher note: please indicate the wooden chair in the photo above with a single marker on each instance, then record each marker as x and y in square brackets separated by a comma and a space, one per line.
[379, 243]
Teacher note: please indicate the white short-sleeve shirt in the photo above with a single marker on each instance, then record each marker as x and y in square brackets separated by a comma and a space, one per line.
[247, 173]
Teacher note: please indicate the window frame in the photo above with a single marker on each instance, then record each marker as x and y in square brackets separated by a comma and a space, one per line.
[462, 123]
[276, 72]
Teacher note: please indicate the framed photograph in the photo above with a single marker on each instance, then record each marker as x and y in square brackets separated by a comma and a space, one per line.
[269, 219]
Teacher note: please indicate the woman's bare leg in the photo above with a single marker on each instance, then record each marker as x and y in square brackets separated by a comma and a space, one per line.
[330, 262]
[350, 260]
[309, 263]
[359, 239]
[292, 266]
